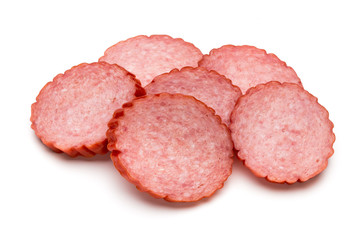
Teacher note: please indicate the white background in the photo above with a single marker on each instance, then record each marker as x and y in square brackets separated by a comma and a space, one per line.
[45, 195]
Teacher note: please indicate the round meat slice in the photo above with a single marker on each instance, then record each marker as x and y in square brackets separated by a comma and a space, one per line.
[282, 132]
[211, 88]
[171, 146]
[71, 113]
[147, 57]
[248, 66]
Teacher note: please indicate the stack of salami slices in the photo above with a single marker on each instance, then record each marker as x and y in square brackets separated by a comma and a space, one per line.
[172, 117]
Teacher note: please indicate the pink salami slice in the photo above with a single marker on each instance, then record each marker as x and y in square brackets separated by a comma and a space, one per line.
[282, 132]
[248, 66]
[171, 146]
[71, 113]
[147, 57]
[211, 88]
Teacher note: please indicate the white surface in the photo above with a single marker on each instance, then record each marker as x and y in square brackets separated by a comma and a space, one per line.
[45, 195]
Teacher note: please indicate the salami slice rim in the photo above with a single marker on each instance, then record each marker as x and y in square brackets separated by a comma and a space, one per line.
[314, 99]
[85, 150]
[116, 153]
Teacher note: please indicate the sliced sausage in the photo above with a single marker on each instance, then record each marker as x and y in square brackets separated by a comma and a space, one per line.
[171, 146]
[71, 113]
[282, 132]
[211, 88]
[147, 57]
[248, 66]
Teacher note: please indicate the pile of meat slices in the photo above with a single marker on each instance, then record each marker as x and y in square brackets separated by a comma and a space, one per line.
[173, 117]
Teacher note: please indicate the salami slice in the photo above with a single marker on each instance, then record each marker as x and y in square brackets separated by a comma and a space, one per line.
[211, 88]
[147, 57]
[282, 132]
[248, 66]
[171, 146]
[71, 113]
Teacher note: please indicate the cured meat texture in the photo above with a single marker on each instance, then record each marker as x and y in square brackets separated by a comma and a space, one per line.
[213, 89]
[171, 146]
[248, 66]
[71, 113]
[147, 57]
[282, 132]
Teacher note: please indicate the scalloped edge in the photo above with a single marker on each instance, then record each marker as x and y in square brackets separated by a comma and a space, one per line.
[115, 153]
[82, 150]
[258, 88]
